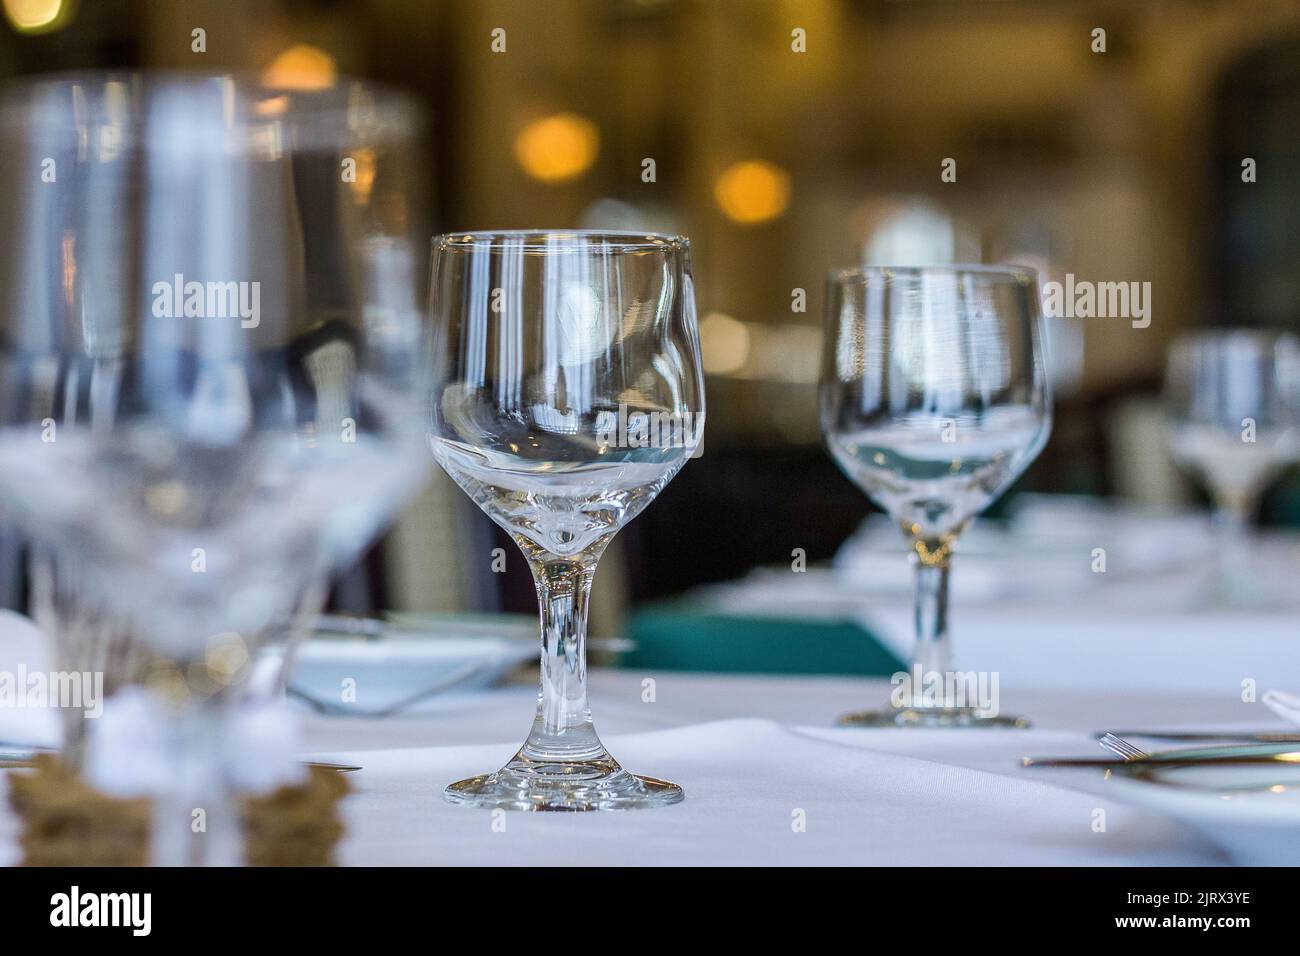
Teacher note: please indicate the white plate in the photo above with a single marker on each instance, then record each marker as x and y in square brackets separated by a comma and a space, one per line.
[1252, 811]
[371, 677]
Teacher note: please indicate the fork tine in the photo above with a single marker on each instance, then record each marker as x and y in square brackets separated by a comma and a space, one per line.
[1121, 747]
[1117, 745]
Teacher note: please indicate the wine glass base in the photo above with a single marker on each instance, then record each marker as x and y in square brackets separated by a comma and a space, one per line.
[564, 787]
[929, 717]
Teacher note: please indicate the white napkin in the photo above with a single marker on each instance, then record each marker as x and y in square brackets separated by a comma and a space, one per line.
[130, 752]
[23, 646]
[758, 793]
[1286, 706]
[126, 741]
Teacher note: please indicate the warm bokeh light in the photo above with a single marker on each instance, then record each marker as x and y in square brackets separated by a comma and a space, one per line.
[783, 353]
[557, 148]
[271, 106]
[753, 191]
[227, 655]
[37, 16]
[364, 179]
[760, 351]
[724, 344]
[301, 67]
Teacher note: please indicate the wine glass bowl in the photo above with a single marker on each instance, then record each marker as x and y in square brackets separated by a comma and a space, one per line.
[1232, 421]
[934, 400]
[177, 351]
[569, 393]
[213, 357]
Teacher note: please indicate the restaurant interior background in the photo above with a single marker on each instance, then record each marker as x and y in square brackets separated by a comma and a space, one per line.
[784, 138]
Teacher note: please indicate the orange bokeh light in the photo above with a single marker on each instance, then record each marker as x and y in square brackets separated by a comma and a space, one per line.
[752, 191]
[557, 148]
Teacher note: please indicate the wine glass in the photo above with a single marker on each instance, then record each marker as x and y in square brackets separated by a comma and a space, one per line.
[934, 398]
[98, 640]
[213, 369]
[86, 639]
[1232, 419]
[568, 394]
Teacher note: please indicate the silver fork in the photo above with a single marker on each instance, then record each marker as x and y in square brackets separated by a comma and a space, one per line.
[1121, 748]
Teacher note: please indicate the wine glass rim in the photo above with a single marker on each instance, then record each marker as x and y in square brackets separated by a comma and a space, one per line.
[546, 239]
[333, 106]
[1023, 274]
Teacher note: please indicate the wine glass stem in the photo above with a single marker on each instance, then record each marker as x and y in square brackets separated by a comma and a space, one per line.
[563, 729]
[196, 819]
[310, 604]
[932, 652]
[1232, 517]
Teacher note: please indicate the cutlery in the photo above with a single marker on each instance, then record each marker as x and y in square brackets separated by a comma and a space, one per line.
[1169, 758]
[1072, 762]
[1266, 737]
[1121, 747]
[331, 765]
[1129, 753]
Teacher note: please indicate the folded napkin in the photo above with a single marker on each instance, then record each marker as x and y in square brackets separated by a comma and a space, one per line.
[759, 793]
[25, 651]
[1286, 706]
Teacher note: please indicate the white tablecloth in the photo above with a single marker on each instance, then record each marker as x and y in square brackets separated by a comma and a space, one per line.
[756, 755]
[868, 796]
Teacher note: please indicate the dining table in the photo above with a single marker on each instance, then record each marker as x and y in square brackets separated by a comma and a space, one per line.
[771, 778]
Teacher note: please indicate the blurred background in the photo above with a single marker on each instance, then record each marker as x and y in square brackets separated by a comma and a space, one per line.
[785, 138]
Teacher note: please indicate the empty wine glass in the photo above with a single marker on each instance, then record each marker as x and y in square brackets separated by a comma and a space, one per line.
[569, 394]
[1232, 418]
[100, 640]
[213, 369]
[934, 398]
[86, 639]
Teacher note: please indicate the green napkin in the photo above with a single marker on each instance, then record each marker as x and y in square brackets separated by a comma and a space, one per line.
[677, 637]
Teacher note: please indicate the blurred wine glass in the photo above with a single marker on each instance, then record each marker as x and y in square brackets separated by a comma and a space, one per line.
[97, 642]
[87, 640]
[1232, 419]
[213, 366]
[569, 392]
[934, 399]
